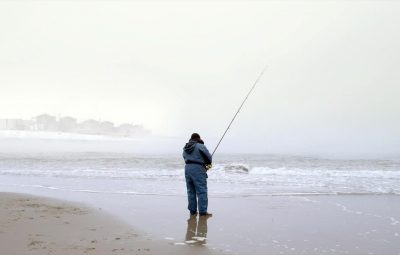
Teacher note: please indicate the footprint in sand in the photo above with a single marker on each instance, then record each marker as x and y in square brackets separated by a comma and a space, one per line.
[116, 250]
[36, 244]
[90, 249]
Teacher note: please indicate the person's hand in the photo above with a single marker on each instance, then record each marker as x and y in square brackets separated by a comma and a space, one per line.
[208, 167]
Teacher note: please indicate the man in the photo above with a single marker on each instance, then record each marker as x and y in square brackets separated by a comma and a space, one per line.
[196, 157]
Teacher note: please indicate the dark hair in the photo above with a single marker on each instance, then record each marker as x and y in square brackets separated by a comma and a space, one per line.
[195, 136]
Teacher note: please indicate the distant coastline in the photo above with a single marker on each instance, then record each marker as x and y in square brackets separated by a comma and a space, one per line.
[67, 126]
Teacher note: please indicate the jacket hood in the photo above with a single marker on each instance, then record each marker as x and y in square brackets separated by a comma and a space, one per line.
[189, 147]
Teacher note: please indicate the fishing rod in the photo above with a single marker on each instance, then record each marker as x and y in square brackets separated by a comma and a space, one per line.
[240, 107]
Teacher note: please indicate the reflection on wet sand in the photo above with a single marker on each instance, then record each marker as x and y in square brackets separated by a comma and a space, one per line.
[196, 233]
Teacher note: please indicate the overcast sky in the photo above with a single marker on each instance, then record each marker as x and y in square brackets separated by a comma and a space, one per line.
[332, 86]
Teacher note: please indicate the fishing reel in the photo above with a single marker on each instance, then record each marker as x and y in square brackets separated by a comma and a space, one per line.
[208, 167]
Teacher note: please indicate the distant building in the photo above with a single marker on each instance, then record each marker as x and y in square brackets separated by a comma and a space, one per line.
[46, 122]
[15, 124]
[67, 124]
[139, 130]
[107, 127]
[128, 130]
[6, 124]
[89, 127]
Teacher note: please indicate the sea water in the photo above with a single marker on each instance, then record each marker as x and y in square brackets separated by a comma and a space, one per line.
[231, 175]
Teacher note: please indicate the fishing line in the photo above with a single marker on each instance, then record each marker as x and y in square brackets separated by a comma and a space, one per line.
[240, 107]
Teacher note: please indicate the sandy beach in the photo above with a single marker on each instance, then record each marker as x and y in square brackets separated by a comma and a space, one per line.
[36, 225]
[355, 225]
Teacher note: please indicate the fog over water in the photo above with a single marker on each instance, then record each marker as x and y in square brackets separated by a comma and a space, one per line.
[331, 88]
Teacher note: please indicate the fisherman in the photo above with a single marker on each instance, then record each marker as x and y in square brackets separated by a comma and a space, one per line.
[197, 157]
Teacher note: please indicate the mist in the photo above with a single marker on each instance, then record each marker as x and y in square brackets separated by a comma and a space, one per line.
[331, 87]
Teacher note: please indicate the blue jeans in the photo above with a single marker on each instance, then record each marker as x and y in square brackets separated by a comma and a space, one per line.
[196, 184]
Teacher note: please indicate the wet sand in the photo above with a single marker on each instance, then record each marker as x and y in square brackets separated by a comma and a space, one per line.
[256, 225]
[36, 225]
[263, 225]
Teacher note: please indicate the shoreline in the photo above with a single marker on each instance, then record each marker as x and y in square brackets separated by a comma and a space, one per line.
[40, 225]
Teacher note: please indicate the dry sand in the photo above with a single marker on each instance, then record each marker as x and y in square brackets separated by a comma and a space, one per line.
[35, 225]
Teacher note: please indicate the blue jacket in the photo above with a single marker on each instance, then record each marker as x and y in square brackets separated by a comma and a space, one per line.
[196, 153]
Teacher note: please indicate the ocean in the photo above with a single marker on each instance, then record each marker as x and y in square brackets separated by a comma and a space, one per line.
[231, 175]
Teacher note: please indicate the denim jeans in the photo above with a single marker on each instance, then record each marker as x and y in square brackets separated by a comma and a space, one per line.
[196, 184]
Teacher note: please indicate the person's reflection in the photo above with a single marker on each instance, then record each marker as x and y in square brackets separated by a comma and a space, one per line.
[196, 230]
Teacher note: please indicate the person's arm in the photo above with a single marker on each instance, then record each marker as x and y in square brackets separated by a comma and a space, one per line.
[205, 154]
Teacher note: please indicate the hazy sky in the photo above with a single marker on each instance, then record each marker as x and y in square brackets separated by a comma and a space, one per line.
[332, 86]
